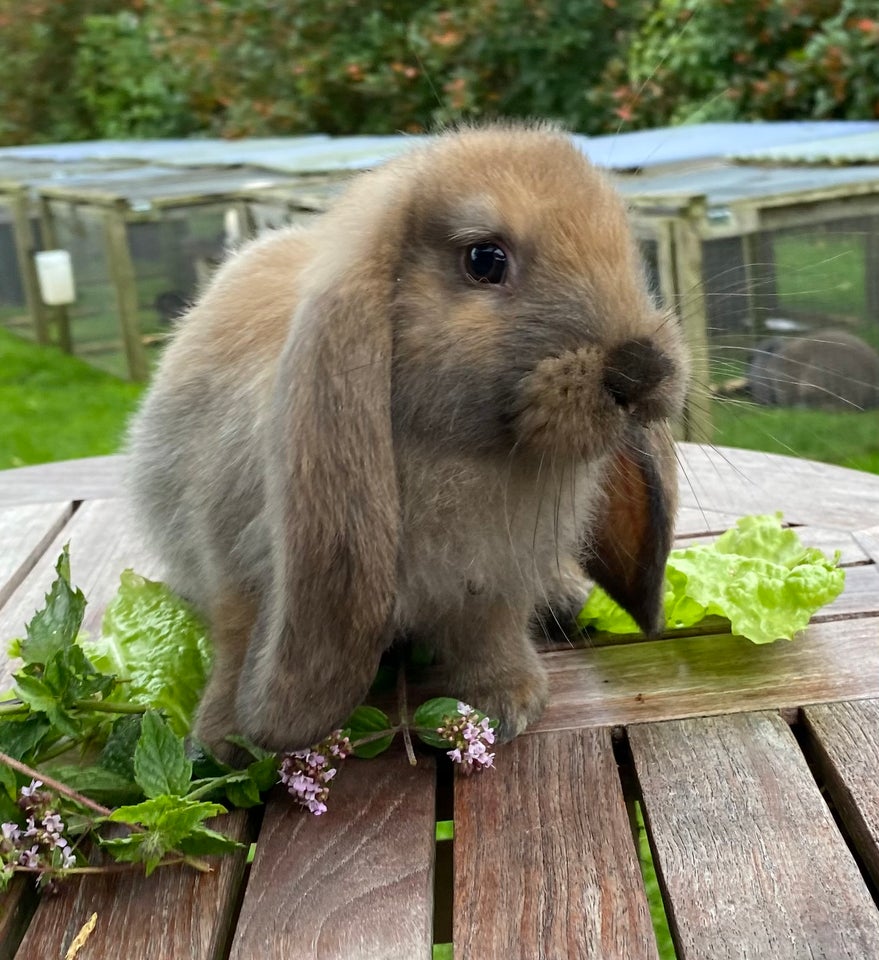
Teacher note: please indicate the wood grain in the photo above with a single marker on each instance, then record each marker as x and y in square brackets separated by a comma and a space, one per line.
[176, 914]
[102, 545]
[353, 884]
[545, 862]
[845, 741]
[705, 675]
[92, 478]
[728, 481]
[17, 905]
[25, 532]
[868, 541]
[748, 854]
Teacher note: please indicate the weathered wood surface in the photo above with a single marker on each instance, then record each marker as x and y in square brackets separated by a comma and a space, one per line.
[25, 531]
[90, 479]
[102, 545]
[727, 481]
[176, 914]
[353, 884]
[545, 862]
[845, 740]
[706, 675]
[747, 851]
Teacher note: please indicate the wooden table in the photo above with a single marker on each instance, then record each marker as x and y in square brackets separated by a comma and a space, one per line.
[757, 769]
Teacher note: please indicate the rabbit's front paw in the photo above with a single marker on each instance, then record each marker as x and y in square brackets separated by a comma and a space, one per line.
[514, 698]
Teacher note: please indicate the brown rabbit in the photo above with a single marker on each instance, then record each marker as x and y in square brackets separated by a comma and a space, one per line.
[419, 414]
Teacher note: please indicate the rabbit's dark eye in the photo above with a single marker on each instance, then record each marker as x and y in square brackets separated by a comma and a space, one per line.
[485, 263]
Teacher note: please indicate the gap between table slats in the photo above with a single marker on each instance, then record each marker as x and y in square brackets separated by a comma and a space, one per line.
[748, 854]
[175, 914]
[353, 884]
[545, 861]
[844, 741]
[25, 532]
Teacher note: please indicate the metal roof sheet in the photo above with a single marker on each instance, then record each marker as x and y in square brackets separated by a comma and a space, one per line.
[852, 148]
[643, 149]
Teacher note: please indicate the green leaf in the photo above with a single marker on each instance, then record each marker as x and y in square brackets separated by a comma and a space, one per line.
[431, 715]
[758, 575]
[55, 626]
[254, 749]
[172, 817]
[204, 842]
[156, 643]
[118, 753]
[160, 764]
[367, 722]
[103, 786]
[20, 738]
[8, 781]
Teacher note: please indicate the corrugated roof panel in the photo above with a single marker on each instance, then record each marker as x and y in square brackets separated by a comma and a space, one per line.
[643, 149]
[850, 149]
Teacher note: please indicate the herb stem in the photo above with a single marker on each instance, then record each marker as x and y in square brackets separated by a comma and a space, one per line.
[404, 712]
[55, 785]
[110, 706]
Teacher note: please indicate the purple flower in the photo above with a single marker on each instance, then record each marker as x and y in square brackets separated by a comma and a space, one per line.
[11, 831]
[307, 773]
[29, 791]
[30, 858]
[471, 735]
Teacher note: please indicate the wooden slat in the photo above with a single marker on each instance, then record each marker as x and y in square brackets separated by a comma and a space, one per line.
[176, 914]
[860, 596]
[748, 854]
[88, 479]
[102, 545]
[845, 739]
[16, 906]
[868, 540]
[353, 884]
[747, 481]
[698, 676]
[545, 862]
[25, 532]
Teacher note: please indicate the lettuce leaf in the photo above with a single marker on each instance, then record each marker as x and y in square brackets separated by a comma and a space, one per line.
[157, 644]
[758, 575]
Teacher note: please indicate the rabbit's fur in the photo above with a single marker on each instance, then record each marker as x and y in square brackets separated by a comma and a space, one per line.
[349, 438]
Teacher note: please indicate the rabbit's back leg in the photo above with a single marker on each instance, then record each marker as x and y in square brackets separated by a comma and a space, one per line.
[231, 618]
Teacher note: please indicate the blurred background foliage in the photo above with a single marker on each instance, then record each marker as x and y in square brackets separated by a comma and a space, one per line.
[87, 69]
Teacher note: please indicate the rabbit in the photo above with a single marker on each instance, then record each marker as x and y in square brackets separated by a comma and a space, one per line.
[829, 369]
[440, 405]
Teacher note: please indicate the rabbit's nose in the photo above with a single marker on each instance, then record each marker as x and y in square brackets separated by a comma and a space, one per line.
[634, 372]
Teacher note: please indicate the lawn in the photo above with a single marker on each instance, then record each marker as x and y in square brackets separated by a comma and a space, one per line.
[56, 407]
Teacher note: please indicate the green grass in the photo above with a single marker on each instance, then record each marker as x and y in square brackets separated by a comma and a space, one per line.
[821, 274]
[850, 439]
[56, 407]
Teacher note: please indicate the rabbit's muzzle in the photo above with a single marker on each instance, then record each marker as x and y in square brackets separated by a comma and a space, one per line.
[581, 403]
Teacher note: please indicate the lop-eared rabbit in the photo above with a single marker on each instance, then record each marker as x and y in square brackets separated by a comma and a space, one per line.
[433, 410]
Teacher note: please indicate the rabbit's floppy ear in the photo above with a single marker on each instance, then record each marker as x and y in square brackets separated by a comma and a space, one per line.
[627, 551]
[332, 502]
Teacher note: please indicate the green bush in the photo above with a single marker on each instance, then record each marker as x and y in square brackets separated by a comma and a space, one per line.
[697, 61]
[124, 90]
[345, 66]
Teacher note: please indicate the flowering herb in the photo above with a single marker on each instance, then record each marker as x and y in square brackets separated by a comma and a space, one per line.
[124, 701]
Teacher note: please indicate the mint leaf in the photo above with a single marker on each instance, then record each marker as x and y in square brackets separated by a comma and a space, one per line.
[20, 738]
[157, 643]
[118, 753]
[204, 842]
[430, 716]
[55, 626]
[366, 722]
[160, 764]
[99, 784]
